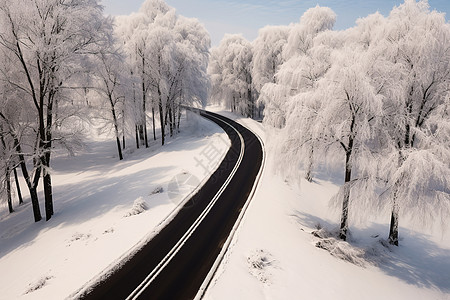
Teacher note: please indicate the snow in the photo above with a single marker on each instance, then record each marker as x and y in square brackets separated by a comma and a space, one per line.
[273, 255]
[104, 209]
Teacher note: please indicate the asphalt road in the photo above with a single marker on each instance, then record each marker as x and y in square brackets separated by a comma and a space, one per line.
[174, 264]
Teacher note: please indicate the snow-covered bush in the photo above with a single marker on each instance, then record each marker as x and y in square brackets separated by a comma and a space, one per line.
[259, 262]
[40, 283]
[139, 206]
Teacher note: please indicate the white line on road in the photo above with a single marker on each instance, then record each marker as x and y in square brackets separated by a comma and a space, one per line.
[210, 276]
[165, 261]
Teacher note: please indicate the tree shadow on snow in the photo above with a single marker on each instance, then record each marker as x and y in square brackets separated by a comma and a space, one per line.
[78, 203]
[417, 261]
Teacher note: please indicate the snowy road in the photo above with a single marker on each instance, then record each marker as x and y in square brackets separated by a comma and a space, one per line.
[175, 263]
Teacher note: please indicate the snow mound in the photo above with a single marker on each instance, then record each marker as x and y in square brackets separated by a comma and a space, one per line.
[340, 249]
[259, 263]
[79, 237]
[374, 254]
[157, 190]
[139, 206]
[38, 284]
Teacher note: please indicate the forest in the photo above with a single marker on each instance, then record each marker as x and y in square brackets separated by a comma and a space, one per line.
[72, 67]
[372, 100]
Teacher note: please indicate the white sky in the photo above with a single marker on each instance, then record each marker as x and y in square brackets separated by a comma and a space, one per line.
[247, 16]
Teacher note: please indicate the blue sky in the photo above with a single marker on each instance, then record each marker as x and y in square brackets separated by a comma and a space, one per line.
[247, 16]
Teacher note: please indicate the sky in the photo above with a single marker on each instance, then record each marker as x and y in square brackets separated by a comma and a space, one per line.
[248, 16]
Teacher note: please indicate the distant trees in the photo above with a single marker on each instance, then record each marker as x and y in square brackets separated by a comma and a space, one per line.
[112, 87]
[231, 74]
[373, 99]
[170, 55]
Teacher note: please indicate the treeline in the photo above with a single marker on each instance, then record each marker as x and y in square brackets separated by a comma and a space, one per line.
[373, 99]
[64, 64]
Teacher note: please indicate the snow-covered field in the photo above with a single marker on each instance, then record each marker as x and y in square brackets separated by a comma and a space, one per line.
[103, 210]
[274, 255]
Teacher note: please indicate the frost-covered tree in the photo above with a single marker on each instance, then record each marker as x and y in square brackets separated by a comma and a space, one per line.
[416, 78]
[307, 59]
[169, 54]
[111, 85]
[5, 169]
[193, 43]
[15, 133]
[291, 77]
[345, 121]
[231, 74]
[312, 22]
[378, 93]
[133, 32]
[268, 54]
[50, 53]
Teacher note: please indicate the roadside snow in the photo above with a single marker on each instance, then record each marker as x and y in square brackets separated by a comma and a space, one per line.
[104, 209]
[274, 253]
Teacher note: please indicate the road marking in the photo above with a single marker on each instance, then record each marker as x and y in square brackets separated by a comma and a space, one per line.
[165, 261]
[210, 276]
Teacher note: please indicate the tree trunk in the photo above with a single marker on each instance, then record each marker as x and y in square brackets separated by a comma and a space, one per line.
[19, 191]
[153, 123]
[47, 146]
[116, 127]
[250, 101]
[179, 118]
[119, 148]
[344, 217]
[123, 130]
[309, 168]
[145, 132]
[8, 189]
[136, 128]
[393, 228]
[170, 121]
[345, 203]
[30, 184]
[161, 117]
[141, 134]
[48, 194]
[144, 109]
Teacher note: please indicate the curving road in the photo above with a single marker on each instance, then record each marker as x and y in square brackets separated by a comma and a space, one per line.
[175, 263]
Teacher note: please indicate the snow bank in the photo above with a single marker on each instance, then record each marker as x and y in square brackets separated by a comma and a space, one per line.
[274, 254]
[89, 235]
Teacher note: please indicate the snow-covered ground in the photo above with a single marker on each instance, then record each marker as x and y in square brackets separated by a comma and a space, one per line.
[104, 209]
[274, 256]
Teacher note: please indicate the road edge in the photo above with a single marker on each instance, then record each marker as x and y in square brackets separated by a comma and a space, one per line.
[227, 245]
[125, 257]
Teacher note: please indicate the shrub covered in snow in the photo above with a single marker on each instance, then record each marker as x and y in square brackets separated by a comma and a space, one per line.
[157, 190]
[338, 248]
[258, 262]
[38, 284]
[139, 206]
